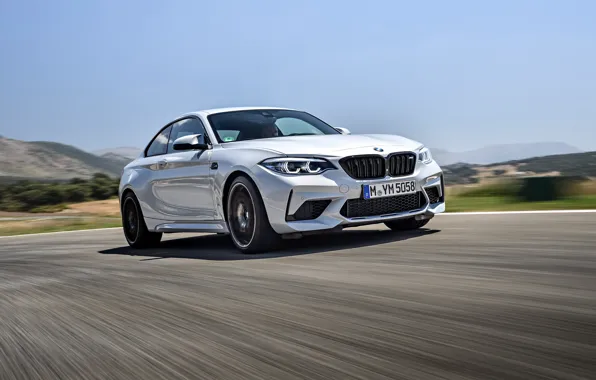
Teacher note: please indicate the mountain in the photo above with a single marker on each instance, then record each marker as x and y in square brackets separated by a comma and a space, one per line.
[51, 160]
[501, 153]
[485, 155]
[570, 165]
[122, 151]
[120, 160]
[46, 160]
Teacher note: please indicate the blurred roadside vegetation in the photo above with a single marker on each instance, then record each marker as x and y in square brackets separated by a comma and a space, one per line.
[566, 165]
[531, 193]
[21, 227]
[35, 196]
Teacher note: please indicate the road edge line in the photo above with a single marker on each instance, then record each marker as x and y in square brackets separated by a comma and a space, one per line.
[588, 211]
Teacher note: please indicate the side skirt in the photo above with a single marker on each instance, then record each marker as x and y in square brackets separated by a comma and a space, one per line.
[169, 227]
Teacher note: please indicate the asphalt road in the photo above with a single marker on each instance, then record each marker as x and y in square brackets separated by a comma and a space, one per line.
[471, 297]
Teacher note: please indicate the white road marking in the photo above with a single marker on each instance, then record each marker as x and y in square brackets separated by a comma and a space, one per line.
[520, 212]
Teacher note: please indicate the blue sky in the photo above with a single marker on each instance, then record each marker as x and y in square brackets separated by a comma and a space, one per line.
[452, 74]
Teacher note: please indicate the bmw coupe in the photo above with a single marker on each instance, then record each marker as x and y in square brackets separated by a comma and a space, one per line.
[263, 174]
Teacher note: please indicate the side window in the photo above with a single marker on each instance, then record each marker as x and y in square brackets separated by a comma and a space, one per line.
[159, 145]
[186, 127]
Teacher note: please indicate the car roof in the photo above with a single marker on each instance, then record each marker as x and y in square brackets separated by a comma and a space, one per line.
[213, 111]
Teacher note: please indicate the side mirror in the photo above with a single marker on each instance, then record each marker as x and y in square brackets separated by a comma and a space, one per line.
[343, 131]
[190, 142]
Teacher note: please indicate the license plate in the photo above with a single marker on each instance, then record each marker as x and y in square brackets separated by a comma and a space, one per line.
[389, 189]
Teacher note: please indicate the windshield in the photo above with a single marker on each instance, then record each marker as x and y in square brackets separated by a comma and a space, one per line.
[260, 124]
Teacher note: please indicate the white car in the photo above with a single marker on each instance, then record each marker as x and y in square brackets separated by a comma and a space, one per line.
[261, 174]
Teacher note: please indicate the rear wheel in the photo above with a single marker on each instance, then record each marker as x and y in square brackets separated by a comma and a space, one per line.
[135, 230]
[406, 224]
[247, 219]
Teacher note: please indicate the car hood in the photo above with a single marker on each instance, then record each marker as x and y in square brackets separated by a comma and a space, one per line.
[328, 145]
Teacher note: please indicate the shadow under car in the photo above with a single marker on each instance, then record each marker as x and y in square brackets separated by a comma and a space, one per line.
[220, 247]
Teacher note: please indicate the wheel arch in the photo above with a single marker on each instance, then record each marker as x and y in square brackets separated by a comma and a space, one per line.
[125, 192]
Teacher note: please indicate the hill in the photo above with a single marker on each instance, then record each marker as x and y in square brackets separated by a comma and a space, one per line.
[482, 156]
[121, 160]
[576, 164]
[503, 152]
[122, 151]
[53, 161]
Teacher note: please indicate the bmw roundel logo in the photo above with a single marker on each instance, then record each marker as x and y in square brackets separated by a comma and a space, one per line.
[378, 149]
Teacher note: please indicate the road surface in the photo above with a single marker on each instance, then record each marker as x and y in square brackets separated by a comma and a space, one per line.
[471, 297]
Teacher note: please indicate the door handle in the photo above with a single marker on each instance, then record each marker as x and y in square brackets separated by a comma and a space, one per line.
[161, 164]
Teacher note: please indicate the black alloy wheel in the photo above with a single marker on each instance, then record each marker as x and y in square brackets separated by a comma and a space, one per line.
[135, 230]
[242, 222]
[247, 219]
[130, 221]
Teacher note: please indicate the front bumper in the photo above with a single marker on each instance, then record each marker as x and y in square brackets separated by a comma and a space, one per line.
[283, 195]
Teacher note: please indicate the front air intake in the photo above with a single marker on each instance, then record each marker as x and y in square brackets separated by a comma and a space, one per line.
[433, 194]
[309, 210]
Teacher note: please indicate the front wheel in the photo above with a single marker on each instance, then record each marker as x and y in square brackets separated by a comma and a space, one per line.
[406, 224]
[247, 219]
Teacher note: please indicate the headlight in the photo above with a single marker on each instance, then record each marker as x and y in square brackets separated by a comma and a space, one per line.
[424, 156]
[286, 165]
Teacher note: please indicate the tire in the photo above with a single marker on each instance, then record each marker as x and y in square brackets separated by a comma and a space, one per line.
[406, 224]
[247, 219]
[133, 224]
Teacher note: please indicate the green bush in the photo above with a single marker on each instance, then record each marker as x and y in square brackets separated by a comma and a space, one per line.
[75, 193]
[54, 195]
[100, 191]
[501, 189]
[77, 181]
[28, 195]
[33, 198]
[101, 177]
[536, 189]
[103, 187]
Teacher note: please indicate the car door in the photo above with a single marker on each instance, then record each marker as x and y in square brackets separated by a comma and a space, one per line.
[182, 188]
[149, 172]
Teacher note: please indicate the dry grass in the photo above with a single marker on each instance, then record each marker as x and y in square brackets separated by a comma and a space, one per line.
[26, 224]
[456, 190]
[486, 172]
[588, 187]
[18, 227]
[109, 207]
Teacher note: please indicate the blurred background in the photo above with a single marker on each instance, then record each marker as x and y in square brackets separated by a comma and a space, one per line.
[502, 92]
